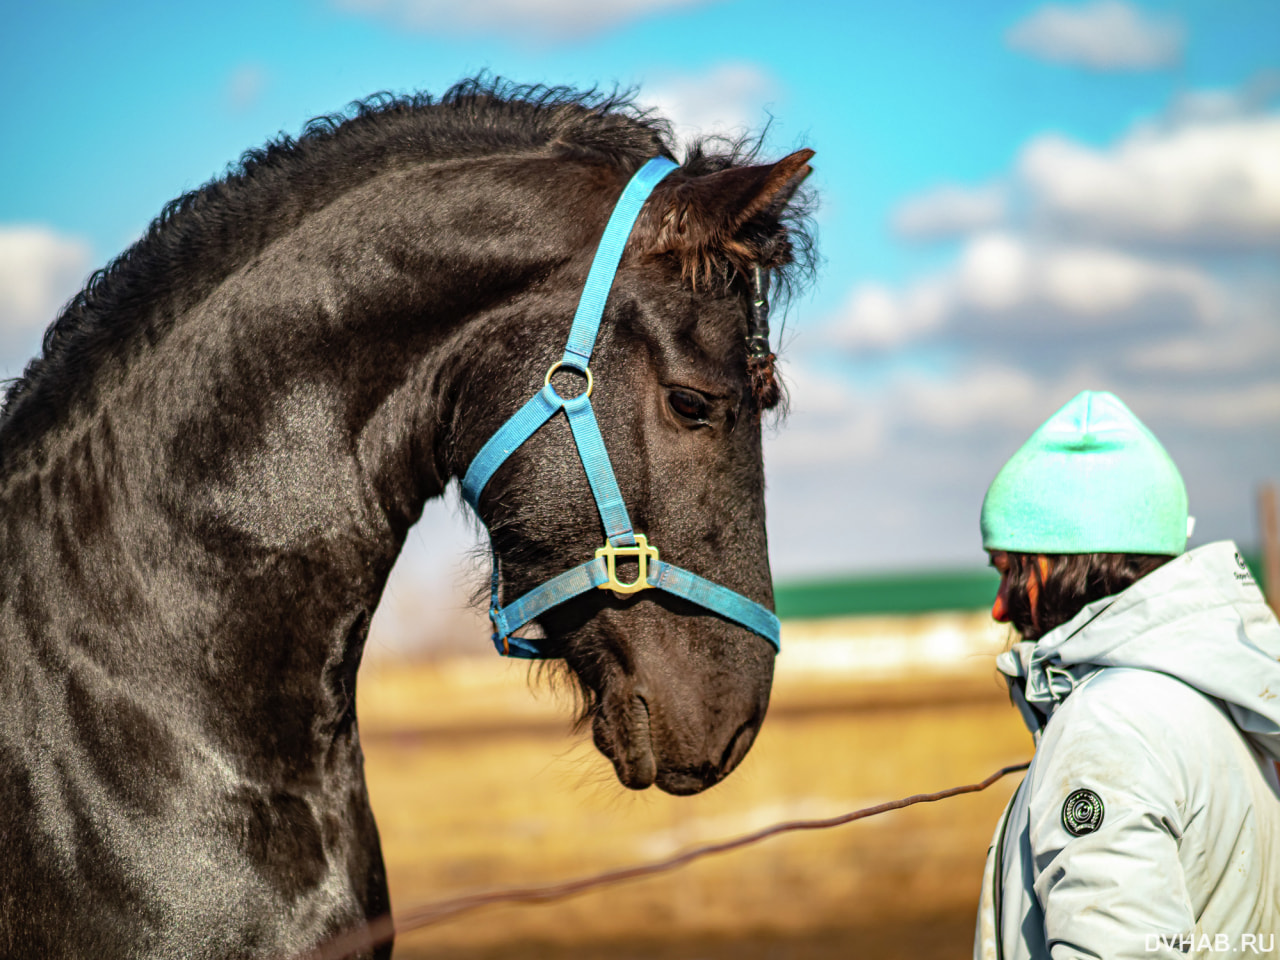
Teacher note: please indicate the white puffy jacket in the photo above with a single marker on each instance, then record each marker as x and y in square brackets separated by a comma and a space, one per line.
[1148, 825]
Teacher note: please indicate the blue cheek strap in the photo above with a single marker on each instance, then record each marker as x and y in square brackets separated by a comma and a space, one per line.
[621, 540]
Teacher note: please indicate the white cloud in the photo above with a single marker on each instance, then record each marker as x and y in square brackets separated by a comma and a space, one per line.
[1103, 35]
[1213, 183]
[1242, 348]
[40, 270]
[886, 465]
[830, 421]
[538, 20]
[810, 441]
[1249, 405]
[1002, 273]
[1227, 103]
[1203, 174]
[1246, 343]
[245, 86]
[893, 474]
[986, 393]
[1145, 267]
[1253, 405]
[877, 316]
[950, 211]
[727, 99]
[1002, 278]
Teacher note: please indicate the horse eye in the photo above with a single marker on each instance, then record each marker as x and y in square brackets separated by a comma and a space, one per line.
[689, 406]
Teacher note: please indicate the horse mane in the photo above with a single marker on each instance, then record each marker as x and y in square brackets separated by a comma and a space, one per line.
[203, 236]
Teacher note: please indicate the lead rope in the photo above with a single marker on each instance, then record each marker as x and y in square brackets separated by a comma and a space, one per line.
[381, 929]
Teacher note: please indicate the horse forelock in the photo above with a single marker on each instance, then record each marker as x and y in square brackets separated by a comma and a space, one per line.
[203, 236]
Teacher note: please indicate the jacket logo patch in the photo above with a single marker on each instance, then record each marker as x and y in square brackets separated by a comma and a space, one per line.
[1244, 574]
[1082, 813]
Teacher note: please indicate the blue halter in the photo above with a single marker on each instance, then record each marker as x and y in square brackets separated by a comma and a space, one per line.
[620, 539]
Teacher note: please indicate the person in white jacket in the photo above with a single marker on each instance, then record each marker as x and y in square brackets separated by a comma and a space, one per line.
[1148, 825]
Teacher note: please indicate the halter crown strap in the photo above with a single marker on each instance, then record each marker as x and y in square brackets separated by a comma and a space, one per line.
[621, 538]
[586, 320]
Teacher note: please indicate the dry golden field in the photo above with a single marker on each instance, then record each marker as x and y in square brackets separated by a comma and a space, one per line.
[478, 783]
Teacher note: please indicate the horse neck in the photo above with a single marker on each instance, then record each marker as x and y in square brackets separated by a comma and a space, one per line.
[222, 522]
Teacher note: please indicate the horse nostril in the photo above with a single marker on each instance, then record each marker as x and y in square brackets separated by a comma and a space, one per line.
[737, 747]
[640, 762]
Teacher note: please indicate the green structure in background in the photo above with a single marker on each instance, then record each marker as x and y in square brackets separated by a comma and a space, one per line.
[877, 594]
[900, 593]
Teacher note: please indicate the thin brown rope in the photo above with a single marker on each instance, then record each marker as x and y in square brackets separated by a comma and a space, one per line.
[381, 929]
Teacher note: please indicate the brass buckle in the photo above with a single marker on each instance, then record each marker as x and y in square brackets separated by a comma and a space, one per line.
[641, 551]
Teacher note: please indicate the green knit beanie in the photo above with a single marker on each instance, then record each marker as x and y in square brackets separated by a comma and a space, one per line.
[1092, 479]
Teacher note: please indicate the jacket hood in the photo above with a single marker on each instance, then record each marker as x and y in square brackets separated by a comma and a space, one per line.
[1200, 618]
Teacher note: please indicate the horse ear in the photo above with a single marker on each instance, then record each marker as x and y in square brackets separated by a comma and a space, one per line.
[689, 216]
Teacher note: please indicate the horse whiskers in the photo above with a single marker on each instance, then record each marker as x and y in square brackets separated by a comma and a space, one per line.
[559, 676]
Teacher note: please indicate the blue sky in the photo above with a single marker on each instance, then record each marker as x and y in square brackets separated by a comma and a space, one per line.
[1018, 200]
[117, 107]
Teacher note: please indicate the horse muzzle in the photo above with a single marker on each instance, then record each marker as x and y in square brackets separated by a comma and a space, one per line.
[682, 743]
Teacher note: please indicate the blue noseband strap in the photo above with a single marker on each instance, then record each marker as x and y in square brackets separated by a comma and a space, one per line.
[620, 538]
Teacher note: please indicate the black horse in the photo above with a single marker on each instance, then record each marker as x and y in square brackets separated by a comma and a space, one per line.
[206, 478]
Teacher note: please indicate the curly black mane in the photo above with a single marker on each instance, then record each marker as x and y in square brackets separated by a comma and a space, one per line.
[203, 236]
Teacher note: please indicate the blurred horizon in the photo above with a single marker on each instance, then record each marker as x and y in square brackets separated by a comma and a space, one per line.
[1018, 200]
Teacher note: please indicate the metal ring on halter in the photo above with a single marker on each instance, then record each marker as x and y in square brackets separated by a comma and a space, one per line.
[561, 363]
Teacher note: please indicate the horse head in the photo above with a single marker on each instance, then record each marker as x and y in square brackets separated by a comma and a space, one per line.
[674, 692]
